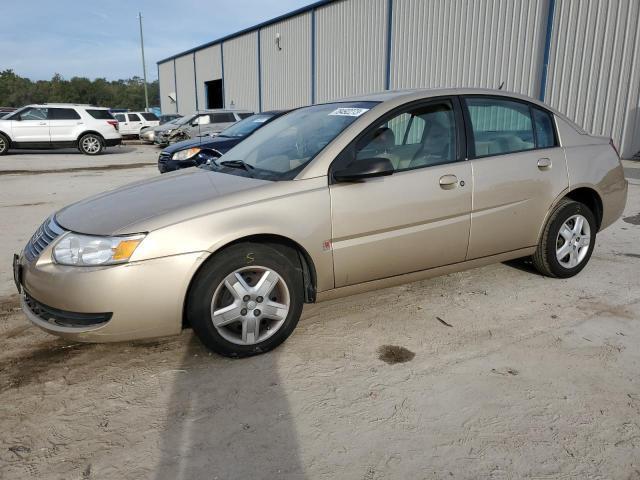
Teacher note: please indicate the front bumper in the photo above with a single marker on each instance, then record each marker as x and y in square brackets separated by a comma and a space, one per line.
[136, 300]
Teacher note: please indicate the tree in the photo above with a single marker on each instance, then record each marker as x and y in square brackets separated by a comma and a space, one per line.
[16, 91]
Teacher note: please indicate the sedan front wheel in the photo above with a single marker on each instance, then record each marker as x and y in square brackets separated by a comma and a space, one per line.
[247, 299]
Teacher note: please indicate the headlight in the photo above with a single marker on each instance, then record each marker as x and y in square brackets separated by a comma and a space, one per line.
[87, 250]
[186, 154]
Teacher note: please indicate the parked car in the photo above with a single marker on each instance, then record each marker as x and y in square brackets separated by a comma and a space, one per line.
[4, 111]
[199, 150]
[326, 201]
[148, 134]
[131, 123]
[59, 125]
[205, 122]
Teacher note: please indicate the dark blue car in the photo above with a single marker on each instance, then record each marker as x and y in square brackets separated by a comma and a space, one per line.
[196, 151]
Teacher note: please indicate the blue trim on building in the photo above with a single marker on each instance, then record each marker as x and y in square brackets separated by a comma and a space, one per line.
[195, 79]
[224, 100]
[387, 80]
[308, 8]
[313, 56]
[175, 83]
[547, 49]
[259, 76]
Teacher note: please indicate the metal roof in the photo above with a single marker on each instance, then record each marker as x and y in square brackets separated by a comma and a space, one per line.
[285, 16]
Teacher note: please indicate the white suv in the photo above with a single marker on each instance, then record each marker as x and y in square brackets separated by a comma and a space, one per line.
[59, 125]
[131, 123]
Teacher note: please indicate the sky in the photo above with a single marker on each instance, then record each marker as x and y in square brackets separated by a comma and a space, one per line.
[91, 38]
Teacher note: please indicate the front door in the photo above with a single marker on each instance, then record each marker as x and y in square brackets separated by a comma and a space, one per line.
[31, 126]
[518, 171]
[415, 219]
[134, 123]
[63, 124]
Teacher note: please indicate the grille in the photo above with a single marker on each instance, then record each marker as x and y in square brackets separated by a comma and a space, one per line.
[46, 233]
[64, 318]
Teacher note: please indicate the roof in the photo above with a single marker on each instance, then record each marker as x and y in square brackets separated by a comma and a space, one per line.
[298, 11]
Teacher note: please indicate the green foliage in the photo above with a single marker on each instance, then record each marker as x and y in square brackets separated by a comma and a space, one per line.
[16, 91]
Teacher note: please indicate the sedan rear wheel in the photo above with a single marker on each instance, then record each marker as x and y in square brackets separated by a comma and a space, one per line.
[567, 240]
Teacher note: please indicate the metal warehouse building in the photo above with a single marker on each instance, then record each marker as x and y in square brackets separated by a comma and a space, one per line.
[579, 56]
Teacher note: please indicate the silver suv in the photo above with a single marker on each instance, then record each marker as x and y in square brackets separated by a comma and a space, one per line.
[59, 125]
[205, 122]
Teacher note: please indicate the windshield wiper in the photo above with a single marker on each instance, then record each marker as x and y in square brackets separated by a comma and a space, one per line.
[237, 164]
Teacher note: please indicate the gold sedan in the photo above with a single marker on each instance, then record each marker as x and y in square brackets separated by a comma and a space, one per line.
[328, 200]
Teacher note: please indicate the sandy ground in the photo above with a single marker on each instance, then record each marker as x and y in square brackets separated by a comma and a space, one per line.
[492, 373]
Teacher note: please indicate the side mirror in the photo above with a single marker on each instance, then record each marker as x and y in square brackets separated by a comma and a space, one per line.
[207, 156]
[363, 169]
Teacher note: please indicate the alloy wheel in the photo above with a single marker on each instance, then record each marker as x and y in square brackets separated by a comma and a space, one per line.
[91, 145]
[573, 241]
[250, 305]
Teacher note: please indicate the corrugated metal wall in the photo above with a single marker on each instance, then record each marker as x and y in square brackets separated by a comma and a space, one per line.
[478, 43]
[241, 72]
[185, 85]
[167, 86]
[350, 48]
[208, 67]
[286, 72]
[594, 68]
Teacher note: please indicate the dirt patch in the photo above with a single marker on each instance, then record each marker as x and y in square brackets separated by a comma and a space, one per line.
[123, 166]
[9, 305]
[30, 367]
[633, 220]
[393, 354]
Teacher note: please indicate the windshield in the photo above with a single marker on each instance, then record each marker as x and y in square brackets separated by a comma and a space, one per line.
[246, 126]
[183, 120]
[281, 149]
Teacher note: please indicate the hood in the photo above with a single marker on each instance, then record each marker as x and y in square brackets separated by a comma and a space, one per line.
[221, 144]
[123, 210]
[166, 126]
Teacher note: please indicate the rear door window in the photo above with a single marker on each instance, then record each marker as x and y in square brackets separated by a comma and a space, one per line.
[499, 126]
[545, 133]
[63, 114]
[133, 117]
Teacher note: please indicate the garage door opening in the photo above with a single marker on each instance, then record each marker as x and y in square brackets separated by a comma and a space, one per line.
[214, 93]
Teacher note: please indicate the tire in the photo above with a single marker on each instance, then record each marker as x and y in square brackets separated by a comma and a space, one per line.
[91, 144]
[564, 251]
[248, 323]
[4, 144]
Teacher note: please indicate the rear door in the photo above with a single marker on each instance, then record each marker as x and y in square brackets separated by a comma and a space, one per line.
[518, 170]
[63, 123]
[31, 126]
[419, 217]
[219, 121]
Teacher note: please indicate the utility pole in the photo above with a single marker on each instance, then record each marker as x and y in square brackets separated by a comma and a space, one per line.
[144, 65]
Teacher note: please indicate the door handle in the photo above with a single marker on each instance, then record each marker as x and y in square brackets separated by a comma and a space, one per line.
[43, 123]
[544, 163]
[447, 182]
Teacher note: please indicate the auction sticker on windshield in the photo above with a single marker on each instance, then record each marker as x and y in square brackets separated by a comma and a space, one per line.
[349, 112]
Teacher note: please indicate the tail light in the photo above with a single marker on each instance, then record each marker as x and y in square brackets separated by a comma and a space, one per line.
[614, 147]
[113, 123]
